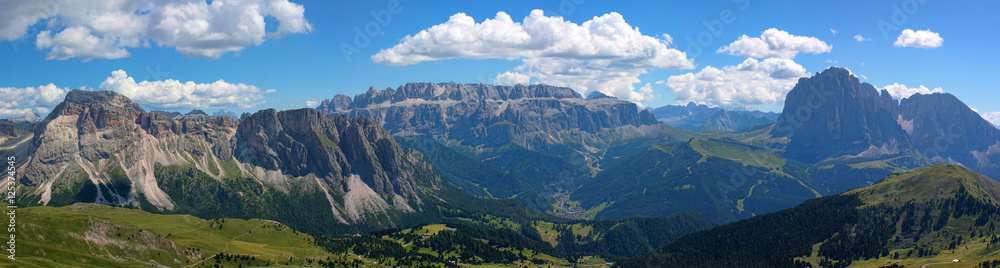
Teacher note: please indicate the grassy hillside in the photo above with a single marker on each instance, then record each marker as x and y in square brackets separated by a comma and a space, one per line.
[837, 176]
[447, 245]
[738, 152]
[627, 237]
[89, 235]
[720, 177]
[921, 216]
[709, 177]
[935, 181]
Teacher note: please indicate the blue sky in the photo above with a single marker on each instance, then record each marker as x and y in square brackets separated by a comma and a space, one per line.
[285, 68]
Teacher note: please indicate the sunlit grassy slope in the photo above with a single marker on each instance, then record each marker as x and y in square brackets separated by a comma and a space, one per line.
[89, 235]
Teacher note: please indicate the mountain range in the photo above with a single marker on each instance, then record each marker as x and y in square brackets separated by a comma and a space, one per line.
[535, 116]
[27, 119]
[539, 139]
[322, 174]
[696, 118]
[101, 147]
[834, 134]
[502, 156]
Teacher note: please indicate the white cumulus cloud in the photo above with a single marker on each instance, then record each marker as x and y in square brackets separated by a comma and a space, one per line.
[921, 39]
[646, 90]
[7, 112]
[993, 117]
[173, 94]
[602, 54]
[900, 91]
[21, 101]
[746, 85]
[78, 42]
[775, 43]
[861, 38]
[93, 29]
[512, 78]
[313, 102]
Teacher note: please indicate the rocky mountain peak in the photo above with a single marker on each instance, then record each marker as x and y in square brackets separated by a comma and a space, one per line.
[95, 99]
[942, 127]
[833, 114]
[339, 103]
[87, 97]
[599, 95]
[97, 109]
[223, 112]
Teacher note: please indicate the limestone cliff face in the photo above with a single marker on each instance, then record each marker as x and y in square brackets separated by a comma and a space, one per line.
[105, 139]
[303, 142]
[480, 114]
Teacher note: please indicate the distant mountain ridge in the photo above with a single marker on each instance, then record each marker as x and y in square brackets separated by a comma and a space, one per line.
[695, 117]
[198, 115]
[222, 112]
[26, 119]
[481, 114]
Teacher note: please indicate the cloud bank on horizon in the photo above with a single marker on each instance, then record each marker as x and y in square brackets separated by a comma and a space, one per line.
[88, 30]
[172, 94]
[23, 101]
[747, 84]
[753, 82]
[167, 94]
